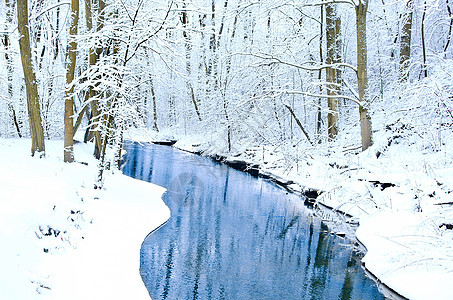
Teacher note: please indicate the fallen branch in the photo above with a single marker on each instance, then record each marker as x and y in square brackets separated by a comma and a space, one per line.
[298, 122]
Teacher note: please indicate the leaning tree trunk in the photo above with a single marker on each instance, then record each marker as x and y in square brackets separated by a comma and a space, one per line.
[34, 112]
[69, 95]
[362, 77]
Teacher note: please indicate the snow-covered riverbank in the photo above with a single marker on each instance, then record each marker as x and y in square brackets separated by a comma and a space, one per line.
[396, 191]
[61, 239]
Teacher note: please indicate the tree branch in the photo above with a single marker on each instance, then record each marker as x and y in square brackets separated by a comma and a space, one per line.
[155, 32]
[324, 96]
[329, 2]
[51, 7]
[298, 122]
[79, 120]
[316, 68]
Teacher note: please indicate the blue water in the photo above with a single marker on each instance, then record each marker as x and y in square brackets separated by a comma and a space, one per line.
[234, 236]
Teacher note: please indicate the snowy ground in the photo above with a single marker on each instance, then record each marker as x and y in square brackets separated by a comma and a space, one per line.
[60, 238]
[396, 190]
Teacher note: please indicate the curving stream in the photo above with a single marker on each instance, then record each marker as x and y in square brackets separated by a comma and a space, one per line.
[234, 236]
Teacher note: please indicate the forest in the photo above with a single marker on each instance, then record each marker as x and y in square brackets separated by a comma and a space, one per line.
[288, 73]
[350, 99]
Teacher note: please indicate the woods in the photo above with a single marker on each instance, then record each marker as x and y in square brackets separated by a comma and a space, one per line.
[243, 72]
[347, 105]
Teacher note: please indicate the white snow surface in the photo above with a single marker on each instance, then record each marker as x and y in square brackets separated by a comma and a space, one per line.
[408, 249]
[61, 238]
[408, 254]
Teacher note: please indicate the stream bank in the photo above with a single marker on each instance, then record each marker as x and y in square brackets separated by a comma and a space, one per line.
[238, 236]
[340, 222]
[406, 190]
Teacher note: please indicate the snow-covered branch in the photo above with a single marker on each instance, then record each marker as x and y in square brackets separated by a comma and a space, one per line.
[272, 59]
[324, 96]
[47, 9]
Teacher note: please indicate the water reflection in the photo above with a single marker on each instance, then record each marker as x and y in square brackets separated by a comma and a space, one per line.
[232, 236]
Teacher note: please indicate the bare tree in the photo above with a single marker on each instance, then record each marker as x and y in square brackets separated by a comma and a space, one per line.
[361, 9]
[94, 54]
[188, 48]
[321, 59]
[34, 112]
[9, 65]
[69, 95]
[406, 36]
[333, 26]
[425, 68]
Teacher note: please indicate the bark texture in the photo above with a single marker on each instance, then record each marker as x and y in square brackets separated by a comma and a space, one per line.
[333, 26]
[362, 77]
[69, 95]
[34, 111]
[406, 36]
[93, 58]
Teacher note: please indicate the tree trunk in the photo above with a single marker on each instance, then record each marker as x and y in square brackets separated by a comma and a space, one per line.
[425, 69]
[153, 95]
[228, 69]
[56, 41]
[333, 25]
[34, 112]
[9, 65]
[362, 77]
[293, 114]
[69, 94]
[449, 27]
[100, 23]
[406, 35]
[188, 48]
[93, 57]
[212, 68]
[321, 59]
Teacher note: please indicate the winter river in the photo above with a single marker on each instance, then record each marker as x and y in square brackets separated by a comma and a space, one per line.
[234, 236]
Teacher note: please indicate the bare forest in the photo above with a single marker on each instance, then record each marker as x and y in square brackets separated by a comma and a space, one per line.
[292, 74]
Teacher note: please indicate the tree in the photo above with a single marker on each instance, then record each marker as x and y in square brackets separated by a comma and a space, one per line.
[362, 77]
[425, 67]
[405, 43]
[9, 66]
[188, 49]
[34, 111]
[333, 25]
[69, 100]
[321, 60]
[94, 55]
[236, 65]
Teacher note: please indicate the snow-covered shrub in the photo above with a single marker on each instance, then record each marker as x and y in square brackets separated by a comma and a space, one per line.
[423, 111]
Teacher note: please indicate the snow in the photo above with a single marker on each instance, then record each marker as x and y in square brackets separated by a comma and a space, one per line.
[92, 237]
[407, 248]
[408, 255]
[61, 238]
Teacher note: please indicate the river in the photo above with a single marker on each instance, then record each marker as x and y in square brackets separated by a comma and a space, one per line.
[235, 236]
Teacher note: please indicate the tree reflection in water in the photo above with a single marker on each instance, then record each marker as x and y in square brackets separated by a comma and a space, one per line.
[233, 236]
